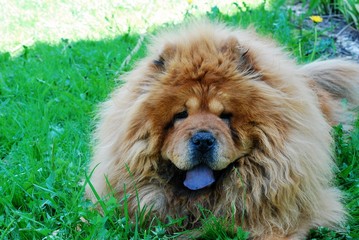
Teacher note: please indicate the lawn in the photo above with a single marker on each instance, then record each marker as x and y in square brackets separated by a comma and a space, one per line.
[59, 59]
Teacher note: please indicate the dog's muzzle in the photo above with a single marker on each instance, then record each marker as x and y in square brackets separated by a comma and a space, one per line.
[202, 147]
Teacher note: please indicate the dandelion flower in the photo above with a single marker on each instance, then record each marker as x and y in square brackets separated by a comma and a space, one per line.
[316, 19]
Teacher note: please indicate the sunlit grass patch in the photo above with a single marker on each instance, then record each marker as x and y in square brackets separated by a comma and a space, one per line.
[27, 22]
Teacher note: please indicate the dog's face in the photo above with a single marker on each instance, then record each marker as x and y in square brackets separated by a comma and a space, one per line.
[202, 140]
[212, 108]
[202, 136]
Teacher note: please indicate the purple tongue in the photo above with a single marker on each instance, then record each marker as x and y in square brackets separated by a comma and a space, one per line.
[199, 177]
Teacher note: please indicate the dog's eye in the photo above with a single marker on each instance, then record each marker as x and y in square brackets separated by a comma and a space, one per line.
[226, 117]
[160, 63]
[180, 116]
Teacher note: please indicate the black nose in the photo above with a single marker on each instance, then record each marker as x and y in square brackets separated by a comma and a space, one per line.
[203, 141]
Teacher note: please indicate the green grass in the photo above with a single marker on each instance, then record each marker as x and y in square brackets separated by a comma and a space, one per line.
[348, 8]
[48, 97]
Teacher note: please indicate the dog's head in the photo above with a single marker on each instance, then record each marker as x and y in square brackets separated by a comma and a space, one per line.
[211, 105]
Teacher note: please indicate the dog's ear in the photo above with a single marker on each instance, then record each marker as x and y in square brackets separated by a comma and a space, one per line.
[232, 50]
[167, 53]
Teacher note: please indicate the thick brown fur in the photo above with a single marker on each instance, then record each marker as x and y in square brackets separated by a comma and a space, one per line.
[270, 118]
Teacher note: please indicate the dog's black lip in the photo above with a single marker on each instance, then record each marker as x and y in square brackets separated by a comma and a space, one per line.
[175, 177]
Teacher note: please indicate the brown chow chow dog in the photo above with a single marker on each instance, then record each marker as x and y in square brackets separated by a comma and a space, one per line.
[222, 118]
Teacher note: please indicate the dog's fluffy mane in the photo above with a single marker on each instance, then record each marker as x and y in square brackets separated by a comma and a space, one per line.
[282, 188]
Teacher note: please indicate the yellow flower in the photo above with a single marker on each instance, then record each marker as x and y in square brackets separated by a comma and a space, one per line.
[189, 1]
[316, 19]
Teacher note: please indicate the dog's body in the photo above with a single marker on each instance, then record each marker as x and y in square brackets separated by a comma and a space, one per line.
[221, 118]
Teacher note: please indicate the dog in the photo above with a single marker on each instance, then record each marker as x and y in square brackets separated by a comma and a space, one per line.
[221, 118]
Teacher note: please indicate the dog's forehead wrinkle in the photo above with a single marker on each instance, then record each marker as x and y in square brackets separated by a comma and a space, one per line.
[210, 98]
